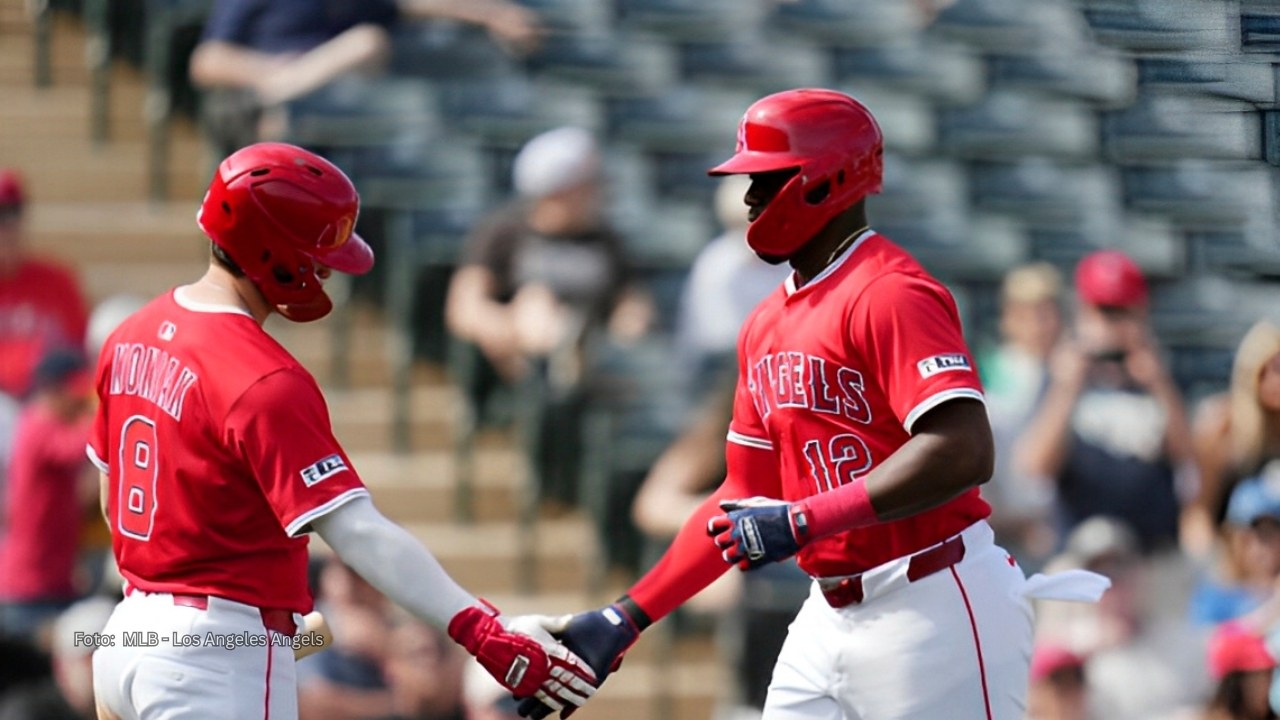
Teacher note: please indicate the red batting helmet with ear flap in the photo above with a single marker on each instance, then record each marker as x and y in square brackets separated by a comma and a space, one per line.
[830, 140]
[277, 210]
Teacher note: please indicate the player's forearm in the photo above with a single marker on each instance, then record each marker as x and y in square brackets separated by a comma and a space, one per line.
[221, 64]
[688, 566]
[692, 563]
[950, 452]
[393, 561]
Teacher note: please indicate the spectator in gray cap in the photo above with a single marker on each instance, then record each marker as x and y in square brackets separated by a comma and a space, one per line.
[538, 279]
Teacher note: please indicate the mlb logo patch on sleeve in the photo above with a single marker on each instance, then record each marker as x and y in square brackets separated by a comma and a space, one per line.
[323, 468]
[931, 366]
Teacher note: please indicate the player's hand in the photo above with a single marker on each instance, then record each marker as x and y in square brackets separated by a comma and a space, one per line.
[544, 672]
[757, 531]
[600, 637]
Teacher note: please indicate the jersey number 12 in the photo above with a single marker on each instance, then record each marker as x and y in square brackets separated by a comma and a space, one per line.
[136, 501]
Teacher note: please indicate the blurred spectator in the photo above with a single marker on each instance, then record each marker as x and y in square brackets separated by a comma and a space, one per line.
[1241, 666]
[541, 278]
[68, 695]
[1253, 541]
[1111, 429]
[1058, 690]
[1145, 658]
[346, 681]
[424, 671]
[51, 486]
[41, 306]
[1013, 376]
[104, 318]
[257, 54]
[725, 284]
[1235, 433]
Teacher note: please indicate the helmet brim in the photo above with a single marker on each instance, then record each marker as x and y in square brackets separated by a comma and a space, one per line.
[353, 257]
[748, 162]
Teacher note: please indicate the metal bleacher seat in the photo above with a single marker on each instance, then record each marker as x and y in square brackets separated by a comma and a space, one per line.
[1200, 194]
[842, 23]
[1045, 194]
[1260, 26]
[681, 119]
[1210, 311]
[1164, 126]
[609, 62]
[691, 19]
[1010, 26]
[1010, 124]
[1228, 75]
[1236, 251]
[1154, 244]
[364, 112]
[1161, 25]
[429, 195]
[944, 72]
[508, 111]
[978, 248]
[446, 51]
[736, 61]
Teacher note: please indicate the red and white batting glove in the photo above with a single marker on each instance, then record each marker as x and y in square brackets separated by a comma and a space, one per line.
[523, 665]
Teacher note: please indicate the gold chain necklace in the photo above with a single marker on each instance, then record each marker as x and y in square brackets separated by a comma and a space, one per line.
[844, 244]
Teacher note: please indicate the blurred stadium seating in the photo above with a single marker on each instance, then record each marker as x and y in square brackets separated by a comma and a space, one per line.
[1015, 130]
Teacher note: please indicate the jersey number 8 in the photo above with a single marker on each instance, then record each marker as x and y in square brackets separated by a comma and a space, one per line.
[136, 502]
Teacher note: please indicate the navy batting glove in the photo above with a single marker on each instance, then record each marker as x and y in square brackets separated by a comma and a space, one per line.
[600, 637]
[757, 531]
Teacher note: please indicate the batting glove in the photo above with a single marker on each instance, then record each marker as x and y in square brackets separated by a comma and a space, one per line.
[600, 637]
[541, 670]
[757, 531]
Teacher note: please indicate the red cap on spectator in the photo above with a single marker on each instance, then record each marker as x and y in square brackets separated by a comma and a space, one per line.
[1109, 277]
[1236, 648]
[10, 188]
[1048, 659]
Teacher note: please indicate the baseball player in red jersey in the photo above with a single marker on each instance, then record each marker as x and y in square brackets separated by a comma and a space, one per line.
[858, 441]
[217, 459]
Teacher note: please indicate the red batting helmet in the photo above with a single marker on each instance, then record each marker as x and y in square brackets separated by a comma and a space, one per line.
[276, 210]
[833, 143]
[11, 195]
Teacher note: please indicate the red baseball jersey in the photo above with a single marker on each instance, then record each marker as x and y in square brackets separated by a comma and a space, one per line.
[219, 451]
[40, 308]
[833, 374]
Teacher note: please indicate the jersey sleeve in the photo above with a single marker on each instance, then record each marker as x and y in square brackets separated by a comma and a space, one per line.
[280, 427]
[909, 329]
[747, 425]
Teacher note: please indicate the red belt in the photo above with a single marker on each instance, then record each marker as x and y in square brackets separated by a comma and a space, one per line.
[840, 592]
[277, 619]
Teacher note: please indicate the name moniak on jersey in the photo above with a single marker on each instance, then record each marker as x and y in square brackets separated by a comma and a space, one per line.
[152, 374]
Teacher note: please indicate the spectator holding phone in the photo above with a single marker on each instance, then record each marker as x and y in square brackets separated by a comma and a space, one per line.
[1111, 432]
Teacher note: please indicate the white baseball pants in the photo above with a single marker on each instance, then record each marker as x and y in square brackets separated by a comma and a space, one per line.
[187, 669]
[954, 645]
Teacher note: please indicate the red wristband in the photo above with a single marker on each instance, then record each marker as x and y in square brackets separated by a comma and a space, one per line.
[841, 509]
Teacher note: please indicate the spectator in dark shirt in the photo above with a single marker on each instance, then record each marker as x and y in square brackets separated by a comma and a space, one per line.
[1111, 431]
[541, 280]
[259, 53]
